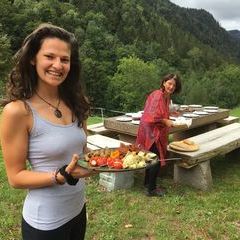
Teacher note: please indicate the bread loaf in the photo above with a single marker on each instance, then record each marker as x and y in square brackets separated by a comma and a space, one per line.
[185, 145]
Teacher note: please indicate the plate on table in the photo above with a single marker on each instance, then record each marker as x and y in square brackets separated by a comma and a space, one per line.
[136, 116]
[136, 122]
[129, 114]
[211, 110]
[190, 115]
[195, 106]
[201, 112]
[211, 107]
[124, 119]
[120, 159]
[183, 106]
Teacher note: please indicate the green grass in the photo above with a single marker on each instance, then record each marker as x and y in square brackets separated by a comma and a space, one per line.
[235, 112]
[184, 213]
[93, 120]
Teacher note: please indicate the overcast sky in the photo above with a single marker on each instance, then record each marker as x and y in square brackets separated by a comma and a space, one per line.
[226, 12]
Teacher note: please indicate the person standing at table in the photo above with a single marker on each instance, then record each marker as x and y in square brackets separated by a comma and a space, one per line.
[44, 123]
[154, 126]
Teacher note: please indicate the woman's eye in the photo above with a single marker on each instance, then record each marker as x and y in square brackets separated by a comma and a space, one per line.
[65, 60]
[49, 56]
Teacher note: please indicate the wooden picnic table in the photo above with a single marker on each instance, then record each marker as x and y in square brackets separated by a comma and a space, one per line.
[127, 131]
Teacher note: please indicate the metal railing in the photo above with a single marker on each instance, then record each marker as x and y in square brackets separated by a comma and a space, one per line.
[103, 112]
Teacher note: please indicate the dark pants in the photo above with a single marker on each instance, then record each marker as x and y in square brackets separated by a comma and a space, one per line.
[72, 230]
[152, 173]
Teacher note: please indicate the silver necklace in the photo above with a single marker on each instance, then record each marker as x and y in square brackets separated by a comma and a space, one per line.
[57, 112]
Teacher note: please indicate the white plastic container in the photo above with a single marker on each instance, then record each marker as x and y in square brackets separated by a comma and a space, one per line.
[114, 181]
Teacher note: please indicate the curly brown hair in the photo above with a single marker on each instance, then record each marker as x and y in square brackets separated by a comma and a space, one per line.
[23, 78]
[177, 80]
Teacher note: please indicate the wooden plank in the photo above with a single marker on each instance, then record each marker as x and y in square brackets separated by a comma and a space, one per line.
[132, 129]
[216, 133]
[213, 143]
[98, 128]
[96, 125]
[92, 147]
[228, 120]
[222, 145]
[103, 141]
[214, 138]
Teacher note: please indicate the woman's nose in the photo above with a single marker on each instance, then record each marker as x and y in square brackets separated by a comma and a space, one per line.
[57, 63]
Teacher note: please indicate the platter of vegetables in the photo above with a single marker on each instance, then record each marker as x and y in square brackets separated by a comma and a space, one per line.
[121, 159]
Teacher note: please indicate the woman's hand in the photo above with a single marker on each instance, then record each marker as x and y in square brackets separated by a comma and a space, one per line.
[166, 123]
[169, 123]
[75, 170]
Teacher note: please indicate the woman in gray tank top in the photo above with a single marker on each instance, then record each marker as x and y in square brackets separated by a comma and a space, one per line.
[44, 123]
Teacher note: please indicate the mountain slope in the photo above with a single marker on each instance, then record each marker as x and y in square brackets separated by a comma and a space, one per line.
[199, 23]
[235, 34]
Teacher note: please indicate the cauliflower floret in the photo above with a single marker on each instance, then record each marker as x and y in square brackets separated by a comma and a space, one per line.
[133, 160]
[141, 164]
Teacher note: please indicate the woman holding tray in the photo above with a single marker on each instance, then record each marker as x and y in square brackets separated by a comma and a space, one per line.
[154, 126]
[44, 123]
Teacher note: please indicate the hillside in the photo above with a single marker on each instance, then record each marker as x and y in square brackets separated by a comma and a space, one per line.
[124, 44]
[235, 34]
[202, 25]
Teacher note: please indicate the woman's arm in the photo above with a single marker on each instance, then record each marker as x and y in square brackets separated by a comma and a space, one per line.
[15, 126]
[166, 122]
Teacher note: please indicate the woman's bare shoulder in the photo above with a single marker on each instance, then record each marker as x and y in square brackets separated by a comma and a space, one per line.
[15, 109]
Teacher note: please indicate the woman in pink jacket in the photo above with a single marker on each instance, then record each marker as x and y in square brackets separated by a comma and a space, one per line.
[154, 127]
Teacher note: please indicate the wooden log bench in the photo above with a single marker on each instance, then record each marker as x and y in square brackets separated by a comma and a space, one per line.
[194, 168]
[111, 181]
[228, 120]
[101, 141]
[98, 128]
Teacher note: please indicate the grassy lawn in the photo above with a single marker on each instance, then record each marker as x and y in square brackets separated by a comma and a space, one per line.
[93, 120]
[184, 213]
[235, 112]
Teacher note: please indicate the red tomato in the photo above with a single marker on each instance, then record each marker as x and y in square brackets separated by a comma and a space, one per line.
[118, 164]
[110, 162]
[101, 161]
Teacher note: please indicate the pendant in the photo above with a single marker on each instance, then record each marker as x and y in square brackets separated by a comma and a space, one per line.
[57, 113]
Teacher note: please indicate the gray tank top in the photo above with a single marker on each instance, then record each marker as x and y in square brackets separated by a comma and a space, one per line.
[50, 147]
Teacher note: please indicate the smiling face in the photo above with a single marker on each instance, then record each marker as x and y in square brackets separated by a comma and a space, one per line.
[52, 61]
[169, 86]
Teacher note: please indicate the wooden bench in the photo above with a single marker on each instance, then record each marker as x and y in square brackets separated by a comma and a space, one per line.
[92, 147]
[101, 141]
[228, 120]
[194, 169]
[97, 128]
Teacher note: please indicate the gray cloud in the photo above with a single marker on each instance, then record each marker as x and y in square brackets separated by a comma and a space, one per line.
[226, 12]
